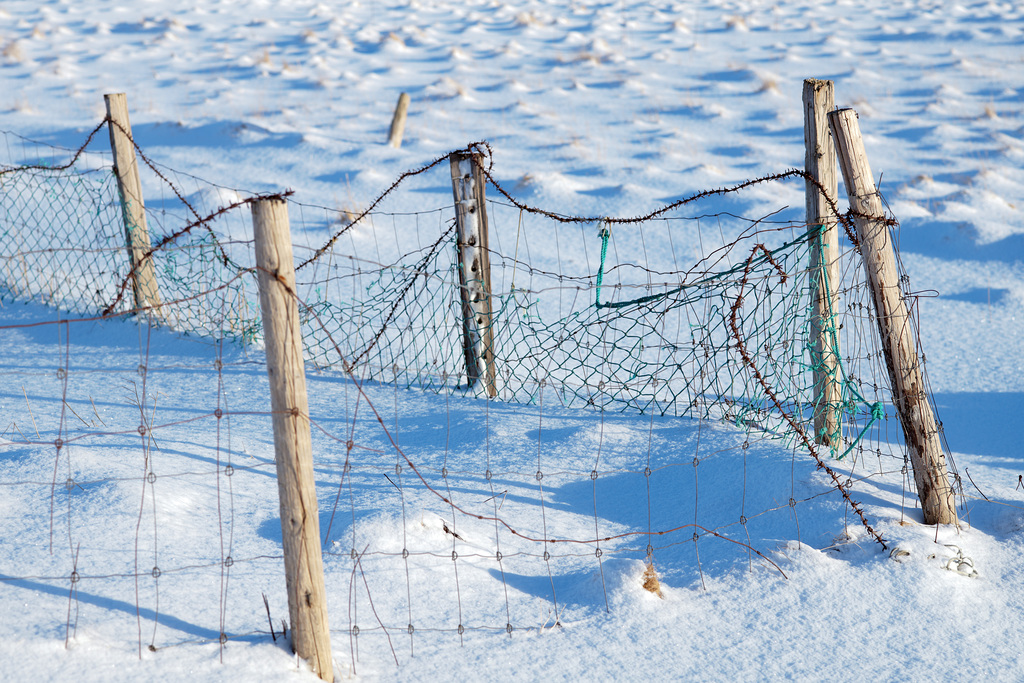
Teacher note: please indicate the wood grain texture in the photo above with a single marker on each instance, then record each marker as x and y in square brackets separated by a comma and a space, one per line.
[133, 208]
[820, 163]
[894, 323]
[300, 523]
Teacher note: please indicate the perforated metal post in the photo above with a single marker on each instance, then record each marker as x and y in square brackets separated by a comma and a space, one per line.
[474, 270]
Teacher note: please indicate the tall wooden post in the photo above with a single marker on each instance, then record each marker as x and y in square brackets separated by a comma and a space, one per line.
[820, 164]
[300, 523]
[398, 121]
[474, 270]
[894, 324]
[133, 209]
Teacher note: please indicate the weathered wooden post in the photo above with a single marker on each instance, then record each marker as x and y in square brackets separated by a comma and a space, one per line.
[894, 324]
[300, 523]
[133, 209]
[820, 164]
[474, 270]
[398, 121]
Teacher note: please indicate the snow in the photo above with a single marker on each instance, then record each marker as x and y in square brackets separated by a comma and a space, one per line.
[603, 109]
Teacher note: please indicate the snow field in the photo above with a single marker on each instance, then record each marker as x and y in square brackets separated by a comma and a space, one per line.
[592, 108]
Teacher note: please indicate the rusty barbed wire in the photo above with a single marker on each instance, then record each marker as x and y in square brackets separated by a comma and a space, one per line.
[173, 237]
[63, 167]
[770, 392]
[482, 155]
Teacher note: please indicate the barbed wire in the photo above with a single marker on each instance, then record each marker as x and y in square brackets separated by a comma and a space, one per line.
[722, 338]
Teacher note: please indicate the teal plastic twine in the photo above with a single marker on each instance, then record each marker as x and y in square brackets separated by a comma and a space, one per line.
[605, 233]
[877, 409]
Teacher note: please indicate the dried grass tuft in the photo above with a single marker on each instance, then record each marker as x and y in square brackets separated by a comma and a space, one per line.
[12, 52]
[651, 582]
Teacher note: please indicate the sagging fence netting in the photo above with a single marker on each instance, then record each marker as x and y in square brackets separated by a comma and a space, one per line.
[698, 310]
[637, 315]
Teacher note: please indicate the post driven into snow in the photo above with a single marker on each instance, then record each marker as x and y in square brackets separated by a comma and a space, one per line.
[894, 324]
[474, 270]
[398, 121]
[300, 523]
[820, 164]
[133, 209]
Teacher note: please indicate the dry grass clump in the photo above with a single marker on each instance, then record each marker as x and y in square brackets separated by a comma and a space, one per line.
[651, 582]
[12, 51]
[736, 23]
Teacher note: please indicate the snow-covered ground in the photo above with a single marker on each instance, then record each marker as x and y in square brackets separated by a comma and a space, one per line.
[610, 108]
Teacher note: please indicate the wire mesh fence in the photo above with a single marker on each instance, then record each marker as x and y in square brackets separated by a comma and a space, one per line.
[446, 513]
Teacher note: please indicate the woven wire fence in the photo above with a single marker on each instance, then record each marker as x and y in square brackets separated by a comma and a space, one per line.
[661, 339]
[63, 243]
[605, 316]
[697, 312]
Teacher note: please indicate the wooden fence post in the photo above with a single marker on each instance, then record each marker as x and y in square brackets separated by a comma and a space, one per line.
[894, 324]
[820, 164]
[398, 121]
[133, 209]
[474, 270]
[300, 523]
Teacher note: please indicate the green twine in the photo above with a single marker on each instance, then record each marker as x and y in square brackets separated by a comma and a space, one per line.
[877, 413]
[636, 364]
[604, 233]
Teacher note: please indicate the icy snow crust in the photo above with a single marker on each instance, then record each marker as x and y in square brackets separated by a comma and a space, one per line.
[592, 108]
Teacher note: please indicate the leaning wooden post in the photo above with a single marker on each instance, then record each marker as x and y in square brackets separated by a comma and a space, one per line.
[300, 523]
[894, 324]
[820, 164]
[398, 121]
[474, 270]
[133, 209]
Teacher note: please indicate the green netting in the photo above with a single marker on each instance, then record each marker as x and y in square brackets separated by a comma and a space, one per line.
[61, 240]
[63, 243]
[669, 348]
[727, 338]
